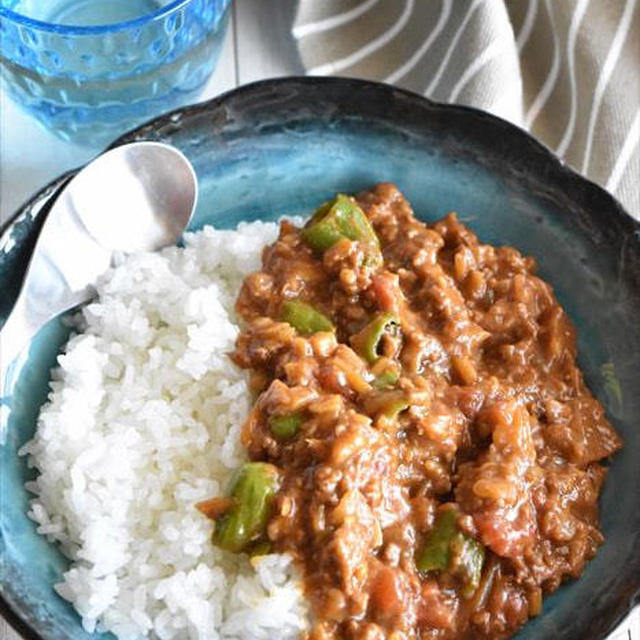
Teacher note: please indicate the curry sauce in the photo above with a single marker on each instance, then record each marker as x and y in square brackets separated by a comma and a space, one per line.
[437, 451]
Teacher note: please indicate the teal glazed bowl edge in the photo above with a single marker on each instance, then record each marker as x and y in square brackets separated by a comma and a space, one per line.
[282, 146]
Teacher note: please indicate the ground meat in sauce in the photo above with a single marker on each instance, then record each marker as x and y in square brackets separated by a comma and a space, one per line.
[495, 422]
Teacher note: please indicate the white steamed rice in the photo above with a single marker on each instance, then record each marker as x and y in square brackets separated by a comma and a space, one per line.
[143, 421]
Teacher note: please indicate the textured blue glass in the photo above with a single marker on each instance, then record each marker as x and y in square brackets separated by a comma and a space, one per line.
[89, 83]
[281, 147]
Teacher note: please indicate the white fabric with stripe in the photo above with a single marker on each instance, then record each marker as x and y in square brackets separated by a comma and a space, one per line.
[567, 70]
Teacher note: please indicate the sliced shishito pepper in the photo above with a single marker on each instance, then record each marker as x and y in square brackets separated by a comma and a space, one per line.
[367, 341]
[447, 549]
[261, 548]
[253, 492]
[467, 558]
[338, 219]
[386, 379]
[304, 318]
[394, 406]
[285, 427]
[435, 554]
[388, 403]
[386, 373]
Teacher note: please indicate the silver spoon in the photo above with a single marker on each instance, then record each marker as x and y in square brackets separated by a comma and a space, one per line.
[136, 197]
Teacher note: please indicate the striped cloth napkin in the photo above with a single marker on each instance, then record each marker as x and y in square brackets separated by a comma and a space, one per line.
[566, 70]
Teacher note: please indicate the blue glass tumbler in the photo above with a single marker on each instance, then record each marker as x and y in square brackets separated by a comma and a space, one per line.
[89, 82]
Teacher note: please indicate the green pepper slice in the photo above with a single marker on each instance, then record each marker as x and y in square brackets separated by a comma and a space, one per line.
[367, 340]
[435, 554]
[253, 492]
[285, 427]
[261, 548]
[386, 379]
[446, 548]
[388, 403]
[395, 407]
[467, 558]
[338, 219]
[304, 318]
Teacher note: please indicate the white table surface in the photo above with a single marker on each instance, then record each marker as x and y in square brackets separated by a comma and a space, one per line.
[256, 47]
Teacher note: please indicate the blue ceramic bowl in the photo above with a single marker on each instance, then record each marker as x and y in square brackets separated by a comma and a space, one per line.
[282, 146]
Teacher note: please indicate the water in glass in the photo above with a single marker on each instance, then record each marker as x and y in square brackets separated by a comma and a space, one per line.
[98, 74]
[85, 12]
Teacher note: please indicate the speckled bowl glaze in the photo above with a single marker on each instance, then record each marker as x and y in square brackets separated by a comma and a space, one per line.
[282, 146]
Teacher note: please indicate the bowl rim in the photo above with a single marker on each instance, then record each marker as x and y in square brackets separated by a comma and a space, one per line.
[557, 167]
[170, 117]
[100, 29]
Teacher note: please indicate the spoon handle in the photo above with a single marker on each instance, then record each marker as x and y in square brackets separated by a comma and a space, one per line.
[25, 320]
[64, 264]
[16, 333]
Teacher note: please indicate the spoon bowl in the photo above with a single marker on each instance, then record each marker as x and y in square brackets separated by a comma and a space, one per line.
[136, 197]
[144, 204]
